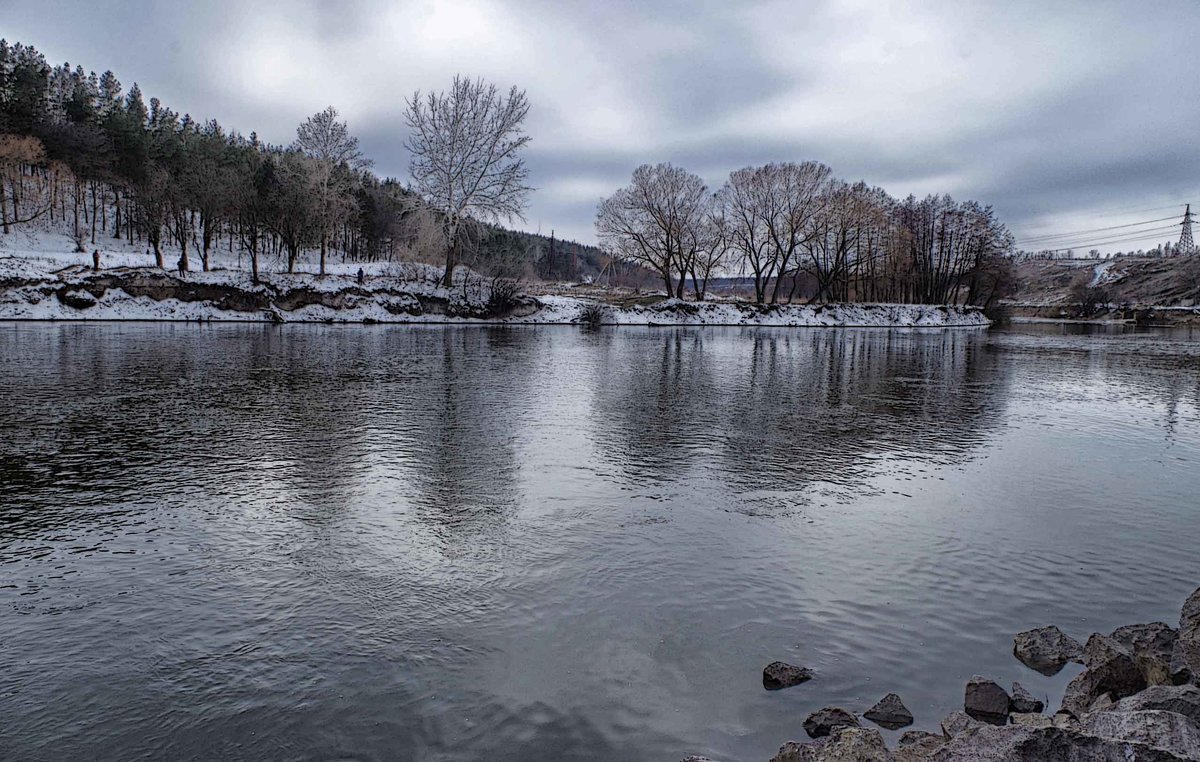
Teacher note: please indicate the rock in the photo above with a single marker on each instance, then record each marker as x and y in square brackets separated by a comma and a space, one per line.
[911, 737]
[1181, 699]
[985, 700]
[1046, 649]
[694, 758]
[1064, 720]
[79, 299]
[778, 675]
[1110, 669]
[1015, 743]
[919, 749]
[889, 713]
[1031, 719]
[794, 751]
[1151, 646]
[822, 721]
[1185, 665]
[844, 744]
[958, 722]
[1101, 649]
[1156, 638]
[1025, 702]
[1102, 702]
[1167, 731]
[1189, 618]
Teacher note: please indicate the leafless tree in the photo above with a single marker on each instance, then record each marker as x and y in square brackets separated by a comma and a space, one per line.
[336, 157]
[655, 220]
[466, 163]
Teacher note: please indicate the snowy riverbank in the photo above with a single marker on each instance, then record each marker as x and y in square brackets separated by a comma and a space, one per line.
[141, 293]
[39, 280]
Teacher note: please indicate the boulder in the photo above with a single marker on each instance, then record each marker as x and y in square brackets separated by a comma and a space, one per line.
[1102, 702]
[1101, 649]
[1031, 719]
[778, 675]
[985, 700]
[1046, 649]
[1156, 638]
[1180, 699]
[889, 712]
[1167, 731]
[821, 722]
[1110, 669]
[1151, 646]
[1025, 702]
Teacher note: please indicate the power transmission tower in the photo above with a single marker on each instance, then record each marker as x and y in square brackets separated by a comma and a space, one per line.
[1187, 246]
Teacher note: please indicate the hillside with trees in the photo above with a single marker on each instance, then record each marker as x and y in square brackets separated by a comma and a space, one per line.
[81, 153]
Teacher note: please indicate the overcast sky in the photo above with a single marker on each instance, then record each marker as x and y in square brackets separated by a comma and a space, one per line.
[1063, 115]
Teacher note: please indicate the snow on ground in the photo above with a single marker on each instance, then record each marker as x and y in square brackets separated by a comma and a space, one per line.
[41, 278]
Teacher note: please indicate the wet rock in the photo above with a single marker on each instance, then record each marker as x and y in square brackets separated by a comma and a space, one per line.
[778, 675]
[1185, 663]
[795, 751]
[1167, 731]
[889, 713]
[1031, 720]
[958, 722]
[823, 721]
[1046, 649]
[1025, 702]
[987, 701]
[1181, 699]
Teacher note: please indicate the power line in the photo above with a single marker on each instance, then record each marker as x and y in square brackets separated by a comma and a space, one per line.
[1048, 237]
[1143, 236]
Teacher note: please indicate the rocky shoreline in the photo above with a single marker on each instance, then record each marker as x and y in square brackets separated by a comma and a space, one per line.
[1137, 700]
[141, 293]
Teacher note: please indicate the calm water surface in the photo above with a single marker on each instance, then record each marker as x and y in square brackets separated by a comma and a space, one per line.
[370, 543]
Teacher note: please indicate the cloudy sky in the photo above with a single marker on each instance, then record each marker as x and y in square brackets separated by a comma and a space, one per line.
[1066, 116]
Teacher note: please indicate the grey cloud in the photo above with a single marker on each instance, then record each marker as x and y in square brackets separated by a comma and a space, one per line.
[1047, 111]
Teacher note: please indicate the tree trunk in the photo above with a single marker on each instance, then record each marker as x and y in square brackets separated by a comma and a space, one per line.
[324, 246]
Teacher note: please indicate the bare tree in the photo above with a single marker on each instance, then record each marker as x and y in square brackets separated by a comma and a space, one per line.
[466, 163]
[654, 221]
[336, 158]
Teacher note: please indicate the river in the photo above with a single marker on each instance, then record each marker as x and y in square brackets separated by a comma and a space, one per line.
[547, 543]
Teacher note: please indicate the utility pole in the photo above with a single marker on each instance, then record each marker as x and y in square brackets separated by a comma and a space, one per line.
[1187, 246]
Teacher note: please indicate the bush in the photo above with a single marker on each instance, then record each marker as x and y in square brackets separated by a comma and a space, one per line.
[594, 314]
[503, 295]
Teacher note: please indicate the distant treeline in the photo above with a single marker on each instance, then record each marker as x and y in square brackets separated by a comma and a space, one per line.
[79, 151]
[800, 232]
